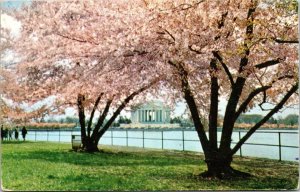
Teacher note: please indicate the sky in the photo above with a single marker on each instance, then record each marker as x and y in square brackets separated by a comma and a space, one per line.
[12, 3]
[12, 24]
[180, 108]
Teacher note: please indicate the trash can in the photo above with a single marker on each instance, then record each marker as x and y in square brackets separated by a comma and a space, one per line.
[76, 142]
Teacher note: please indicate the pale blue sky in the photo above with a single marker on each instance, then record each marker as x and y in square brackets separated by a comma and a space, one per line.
[12, 3]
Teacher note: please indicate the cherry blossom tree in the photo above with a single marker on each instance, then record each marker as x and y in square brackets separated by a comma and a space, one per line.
[105, 53]
[9, 113]
[244, 51]
[80, 52]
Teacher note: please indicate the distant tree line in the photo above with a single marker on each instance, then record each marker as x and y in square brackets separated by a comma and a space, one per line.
[291, 119]
[120, 120]
[183, 122]
[63, 120]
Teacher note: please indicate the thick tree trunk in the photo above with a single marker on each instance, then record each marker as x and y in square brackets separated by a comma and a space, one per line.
[219, 166]
[89, 145]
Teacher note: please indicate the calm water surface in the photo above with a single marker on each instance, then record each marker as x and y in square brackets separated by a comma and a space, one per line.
[261, 144]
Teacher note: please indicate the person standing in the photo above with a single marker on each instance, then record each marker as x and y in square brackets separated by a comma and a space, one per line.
[24, 132]
[16, 133]
[10, 132]
[5, 134]
[2, 133]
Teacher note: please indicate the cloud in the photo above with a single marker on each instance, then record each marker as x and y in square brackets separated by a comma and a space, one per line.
[10, 23]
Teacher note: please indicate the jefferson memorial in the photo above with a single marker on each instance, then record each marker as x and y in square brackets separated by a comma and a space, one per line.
[153, 114]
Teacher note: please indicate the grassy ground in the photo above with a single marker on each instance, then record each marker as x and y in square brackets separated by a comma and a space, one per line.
[52, 166]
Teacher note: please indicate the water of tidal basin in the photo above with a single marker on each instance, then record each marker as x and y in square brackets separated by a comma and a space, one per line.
[259, 145]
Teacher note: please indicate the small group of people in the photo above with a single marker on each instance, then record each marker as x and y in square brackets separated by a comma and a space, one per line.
[7, 134]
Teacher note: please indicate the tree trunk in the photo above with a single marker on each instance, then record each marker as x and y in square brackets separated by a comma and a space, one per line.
[219, 166]
[90, 145]
[90, 142]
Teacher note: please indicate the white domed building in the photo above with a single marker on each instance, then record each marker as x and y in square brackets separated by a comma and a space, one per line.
[152, 114]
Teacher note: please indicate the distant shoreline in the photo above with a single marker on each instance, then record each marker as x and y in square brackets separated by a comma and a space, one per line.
[163, 129]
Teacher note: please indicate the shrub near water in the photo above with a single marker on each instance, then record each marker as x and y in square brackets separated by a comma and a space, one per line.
[52, 166]
[265, 126]
[49, 125]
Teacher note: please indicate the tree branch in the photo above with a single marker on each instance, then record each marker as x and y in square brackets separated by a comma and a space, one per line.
[80, 104]
[191, 6]
[285, 41]
[267, 63]
[222, 21]
[265, 119]
[213, 112]
[238, 86]
[76, 39]
[255, 92]
[186, 6]
[249, 37]
[92, 114]
[218, 56]
[101, 118]
[192, 104]
[194, 50]
[170, 35]
[244, 105]
[121, 107]
[132, 53]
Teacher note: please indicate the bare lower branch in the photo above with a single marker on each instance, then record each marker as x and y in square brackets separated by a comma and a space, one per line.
[92, 114]
[265, 119]
[101, 118]
[257, 91]
[264, 99]
[244, 105]
[121, 107]
[190, 100]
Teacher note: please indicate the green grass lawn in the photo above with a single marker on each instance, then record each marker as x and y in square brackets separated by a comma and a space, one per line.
[52, 166]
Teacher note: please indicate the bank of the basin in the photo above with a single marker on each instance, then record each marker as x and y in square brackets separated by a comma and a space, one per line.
[52, 166]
